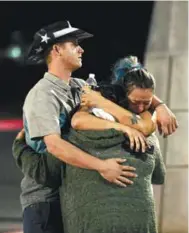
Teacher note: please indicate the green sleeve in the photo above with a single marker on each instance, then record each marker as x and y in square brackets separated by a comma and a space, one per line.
[158, 176]
[43, 168]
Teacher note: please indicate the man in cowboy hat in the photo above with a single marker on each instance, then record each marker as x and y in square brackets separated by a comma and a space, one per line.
[47, 112]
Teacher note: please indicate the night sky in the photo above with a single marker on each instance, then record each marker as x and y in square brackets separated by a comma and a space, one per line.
[119, 28]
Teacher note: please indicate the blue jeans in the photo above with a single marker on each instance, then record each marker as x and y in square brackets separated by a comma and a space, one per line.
[44, 217]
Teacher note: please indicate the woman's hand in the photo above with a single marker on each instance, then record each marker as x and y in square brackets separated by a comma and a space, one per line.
[90, 98]
[166, 120]
[136, 138]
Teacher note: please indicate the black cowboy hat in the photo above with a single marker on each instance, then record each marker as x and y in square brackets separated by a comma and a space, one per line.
[52, 34]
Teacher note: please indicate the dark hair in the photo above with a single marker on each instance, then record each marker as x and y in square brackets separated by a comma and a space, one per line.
[129, 73]
[112, 92]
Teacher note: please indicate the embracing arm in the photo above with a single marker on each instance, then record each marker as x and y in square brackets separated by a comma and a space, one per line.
[46, 169]
[109, 169]
[34, 164]
[83, 120]
[43, 121]
[43, 168]
[70, 154]
[143, 123]
[166, 120]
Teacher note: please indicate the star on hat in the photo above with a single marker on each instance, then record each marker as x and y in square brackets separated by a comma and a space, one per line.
[44, 38]
[38, 50]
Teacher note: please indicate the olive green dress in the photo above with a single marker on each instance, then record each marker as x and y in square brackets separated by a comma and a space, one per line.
[90, 204]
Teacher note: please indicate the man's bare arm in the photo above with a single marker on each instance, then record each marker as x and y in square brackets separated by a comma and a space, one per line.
[70, 154]
[110, 169]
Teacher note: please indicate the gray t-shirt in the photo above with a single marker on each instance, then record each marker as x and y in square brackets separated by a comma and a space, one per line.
[47, 110]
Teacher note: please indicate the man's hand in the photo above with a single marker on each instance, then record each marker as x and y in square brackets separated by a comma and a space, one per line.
[21, 135]
[166, 120]
[116, 173]
[90, 98]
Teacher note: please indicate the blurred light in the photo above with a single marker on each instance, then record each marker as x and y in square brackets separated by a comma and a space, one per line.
[14, 52]
[15, 49]
[11, 124]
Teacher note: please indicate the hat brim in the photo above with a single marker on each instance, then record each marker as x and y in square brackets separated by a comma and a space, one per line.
[78, 34]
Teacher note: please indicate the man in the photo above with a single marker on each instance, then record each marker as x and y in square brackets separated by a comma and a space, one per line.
[47, 111]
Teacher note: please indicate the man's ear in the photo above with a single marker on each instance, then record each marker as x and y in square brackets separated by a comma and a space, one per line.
[56, 49]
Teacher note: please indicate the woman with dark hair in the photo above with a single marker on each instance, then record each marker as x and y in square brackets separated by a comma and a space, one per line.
[89, 203]
[93, 205]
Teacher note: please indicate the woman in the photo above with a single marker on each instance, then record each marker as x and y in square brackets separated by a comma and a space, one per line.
[92, 205]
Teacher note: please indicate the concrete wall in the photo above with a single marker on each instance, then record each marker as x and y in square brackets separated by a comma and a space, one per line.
[167, 58]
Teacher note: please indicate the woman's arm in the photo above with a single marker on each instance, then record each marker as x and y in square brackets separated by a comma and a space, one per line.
[145, 123]
[43, 168]
[83, 120]
[148, 122]
[166, 119]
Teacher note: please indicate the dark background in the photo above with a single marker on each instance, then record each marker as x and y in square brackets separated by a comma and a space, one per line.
[119, 28]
